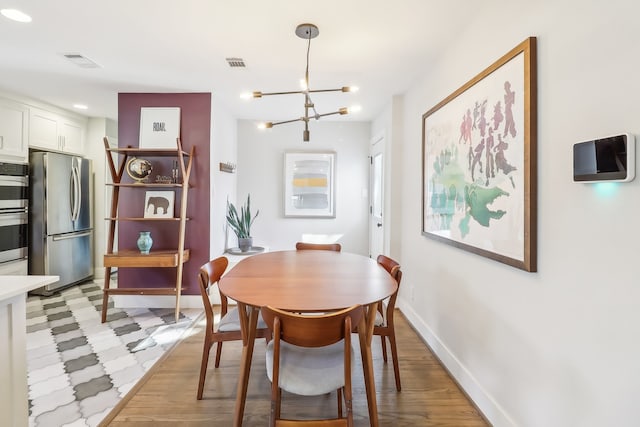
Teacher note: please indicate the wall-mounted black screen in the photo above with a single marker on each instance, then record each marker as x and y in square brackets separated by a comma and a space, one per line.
[603, 159]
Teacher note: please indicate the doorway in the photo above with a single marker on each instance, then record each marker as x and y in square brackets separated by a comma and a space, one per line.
[376, 197]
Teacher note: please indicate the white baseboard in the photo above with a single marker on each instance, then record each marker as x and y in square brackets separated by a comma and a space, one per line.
[493, 412]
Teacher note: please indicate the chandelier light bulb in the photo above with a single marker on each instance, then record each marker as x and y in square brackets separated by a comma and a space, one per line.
[349, 88]
[246, 95]
[354, 109]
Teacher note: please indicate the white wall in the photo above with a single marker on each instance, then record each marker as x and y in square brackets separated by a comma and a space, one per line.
[558, 347]
[223, 149]
[97, 129]
[260, 173]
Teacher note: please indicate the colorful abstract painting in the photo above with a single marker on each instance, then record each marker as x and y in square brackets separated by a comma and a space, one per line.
[479, 163]
[309, 181]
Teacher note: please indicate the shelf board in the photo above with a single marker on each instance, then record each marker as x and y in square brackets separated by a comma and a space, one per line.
[141, 291]
[133, 258]
[144, 184]
[156, 152]
[143, 219]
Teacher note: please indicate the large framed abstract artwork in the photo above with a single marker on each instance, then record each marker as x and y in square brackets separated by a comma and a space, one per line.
[479, 162]
[309, 183]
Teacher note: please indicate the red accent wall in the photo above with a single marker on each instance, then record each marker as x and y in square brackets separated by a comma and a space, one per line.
[195, 130]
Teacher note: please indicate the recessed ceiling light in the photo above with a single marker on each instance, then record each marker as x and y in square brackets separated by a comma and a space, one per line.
[80, 106]
[15, 15]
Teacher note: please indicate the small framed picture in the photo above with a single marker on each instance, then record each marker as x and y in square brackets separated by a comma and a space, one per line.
[159, 127]
[159, 204]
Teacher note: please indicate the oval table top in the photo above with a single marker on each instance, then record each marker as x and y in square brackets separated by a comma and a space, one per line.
[307, 280]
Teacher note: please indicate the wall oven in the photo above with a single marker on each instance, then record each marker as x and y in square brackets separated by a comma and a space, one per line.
[14, 204]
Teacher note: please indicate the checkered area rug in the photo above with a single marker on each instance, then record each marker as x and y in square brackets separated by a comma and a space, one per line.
[79, 368]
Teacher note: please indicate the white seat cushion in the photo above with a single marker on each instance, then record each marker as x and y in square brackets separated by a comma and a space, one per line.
[379, 317]
[309, 371]
[231, 321]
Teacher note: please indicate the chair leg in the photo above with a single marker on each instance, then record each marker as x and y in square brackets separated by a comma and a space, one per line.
[272, 415]
[218, 353]
[348, 396]
[384, 348]
[394, 356]
[340, 403]
[278, 402]
[203, 367]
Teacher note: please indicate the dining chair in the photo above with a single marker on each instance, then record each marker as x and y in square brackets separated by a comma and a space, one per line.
[310, 356]
[229, 324]
[319, 246]
[384, 326]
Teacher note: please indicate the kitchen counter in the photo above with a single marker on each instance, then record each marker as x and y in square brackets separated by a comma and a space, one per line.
[14, 409]
[11, 286]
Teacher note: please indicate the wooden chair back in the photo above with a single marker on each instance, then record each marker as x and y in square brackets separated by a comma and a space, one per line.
[392, 267]
[209, 274]
[311, 330]
[337, 247]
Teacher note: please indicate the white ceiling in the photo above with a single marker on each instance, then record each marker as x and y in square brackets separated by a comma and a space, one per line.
[180, 46]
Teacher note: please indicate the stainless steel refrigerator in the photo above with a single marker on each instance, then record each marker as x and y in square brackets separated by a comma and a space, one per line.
[60, 218]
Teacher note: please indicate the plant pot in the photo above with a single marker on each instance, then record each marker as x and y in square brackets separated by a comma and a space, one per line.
[245, 243]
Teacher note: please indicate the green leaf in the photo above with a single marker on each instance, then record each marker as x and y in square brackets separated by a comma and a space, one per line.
[241, 223]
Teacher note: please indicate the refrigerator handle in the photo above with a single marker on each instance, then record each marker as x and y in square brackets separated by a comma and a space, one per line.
[58, 237]
[78, 193]
[75, 195]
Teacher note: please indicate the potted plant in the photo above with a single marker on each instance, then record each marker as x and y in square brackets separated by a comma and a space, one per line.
[241, 223]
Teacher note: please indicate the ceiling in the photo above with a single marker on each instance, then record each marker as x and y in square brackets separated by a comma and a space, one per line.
[181, 46]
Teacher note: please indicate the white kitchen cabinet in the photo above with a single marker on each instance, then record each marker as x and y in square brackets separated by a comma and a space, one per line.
[72, 135]
[51, 131]
[14, 118]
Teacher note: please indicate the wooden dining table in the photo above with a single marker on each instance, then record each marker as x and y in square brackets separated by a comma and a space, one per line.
[307, 281]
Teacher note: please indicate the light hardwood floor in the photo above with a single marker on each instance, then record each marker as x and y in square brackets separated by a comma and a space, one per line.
[167, 395]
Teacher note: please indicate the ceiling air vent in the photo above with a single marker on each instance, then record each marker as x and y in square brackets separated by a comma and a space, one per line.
[80, 60]
[236, 62]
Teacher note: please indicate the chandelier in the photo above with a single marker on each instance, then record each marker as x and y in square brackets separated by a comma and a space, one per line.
[307, 32]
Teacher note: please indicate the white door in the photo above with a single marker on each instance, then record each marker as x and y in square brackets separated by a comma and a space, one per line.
[376, 198]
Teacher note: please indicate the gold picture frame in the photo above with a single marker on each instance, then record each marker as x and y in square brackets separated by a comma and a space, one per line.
[479, 162]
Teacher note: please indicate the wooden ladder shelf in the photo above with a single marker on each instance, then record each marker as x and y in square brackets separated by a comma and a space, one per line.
[156, 258]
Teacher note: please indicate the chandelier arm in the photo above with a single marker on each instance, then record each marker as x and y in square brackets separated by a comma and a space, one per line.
[326, 90]
[309, 104]
[299, 119]
[329, 114]
[282, 93]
